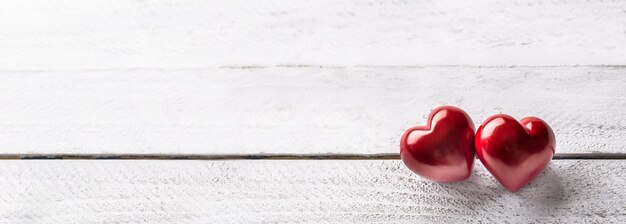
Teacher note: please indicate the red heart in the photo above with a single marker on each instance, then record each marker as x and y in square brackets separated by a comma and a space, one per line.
[515, 152]
[444, 149]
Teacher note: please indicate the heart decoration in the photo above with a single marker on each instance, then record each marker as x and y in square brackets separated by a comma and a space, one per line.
[515, 152]
[443, 150]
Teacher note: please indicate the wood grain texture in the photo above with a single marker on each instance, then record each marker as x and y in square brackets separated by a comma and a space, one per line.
[72, 34]
[295, 110]
[299, 192]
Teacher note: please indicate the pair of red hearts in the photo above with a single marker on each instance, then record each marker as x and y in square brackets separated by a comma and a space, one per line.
[513, 152]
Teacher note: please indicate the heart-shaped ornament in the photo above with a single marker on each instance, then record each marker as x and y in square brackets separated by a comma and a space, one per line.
[515, 152]
[443, 150]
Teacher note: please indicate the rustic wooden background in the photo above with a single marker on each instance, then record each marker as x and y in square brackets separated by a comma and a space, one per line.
[192, 78]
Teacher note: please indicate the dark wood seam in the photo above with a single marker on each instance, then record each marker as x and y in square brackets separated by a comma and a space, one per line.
[381, 156]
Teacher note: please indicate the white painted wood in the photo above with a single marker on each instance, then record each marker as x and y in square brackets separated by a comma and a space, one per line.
[295, 110]
[299, 192]
[95, 34]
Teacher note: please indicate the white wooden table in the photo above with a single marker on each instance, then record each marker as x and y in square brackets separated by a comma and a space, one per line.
[141, 82]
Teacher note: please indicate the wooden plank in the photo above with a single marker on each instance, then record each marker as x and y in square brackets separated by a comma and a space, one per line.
[72, 34]
[569, 191]
[286, 110]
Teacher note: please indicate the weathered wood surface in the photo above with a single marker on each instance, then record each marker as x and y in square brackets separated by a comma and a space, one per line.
[299, 192]
[71, 34]
[274, 76]
[295, 110]
[171, 76]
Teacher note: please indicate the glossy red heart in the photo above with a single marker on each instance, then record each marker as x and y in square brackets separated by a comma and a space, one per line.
[515, 152]
[444, 149]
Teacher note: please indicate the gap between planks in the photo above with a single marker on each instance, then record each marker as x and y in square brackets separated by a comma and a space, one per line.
[317, 66]
[379, 156]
